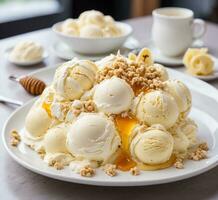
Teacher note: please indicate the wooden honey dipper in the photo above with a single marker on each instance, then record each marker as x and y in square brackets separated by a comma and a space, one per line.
[31, 84]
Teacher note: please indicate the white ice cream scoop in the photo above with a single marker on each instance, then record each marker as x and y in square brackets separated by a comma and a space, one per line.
[154, 146]
[157, 107]
[37, 121]
[55, 139]
[93, 136]
[73, 78]
[113, 96]
[181, 94]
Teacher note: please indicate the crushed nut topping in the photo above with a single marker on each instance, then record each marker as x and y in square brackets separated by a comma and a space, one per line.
[110, 170]
[41, 153]
[179, 163]
[87, 171]
[15, 138]
[83, 106]
[138, 75]
[135, 171]
[199, 153]
[57, 165]
[204, 146]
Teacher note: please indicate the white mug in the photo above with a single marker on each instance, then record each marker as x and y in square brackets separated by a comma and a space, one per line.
[174, 30]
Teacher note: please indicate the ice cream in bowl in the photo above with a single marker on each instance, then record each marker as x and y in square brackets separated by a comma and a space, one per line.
[92, 33]
[117, 114]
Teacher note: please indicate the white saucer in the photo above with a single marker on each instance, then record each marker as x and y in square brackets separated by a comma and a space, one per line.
[205, 99]
[163, 59]
[66, 53]
[24, 63]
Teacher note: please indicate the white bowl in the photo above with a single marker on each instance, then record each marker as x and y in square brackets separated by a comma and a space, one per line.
[93, 45]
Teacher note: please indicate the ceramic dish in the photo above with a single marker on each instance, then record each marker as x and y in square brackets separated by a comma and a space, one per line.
[93, 45]
[24, 63]
[64, 52]
[205, 100]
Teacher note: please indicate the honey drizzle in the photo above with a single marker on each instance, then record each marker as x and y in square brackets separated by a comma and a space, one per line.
[125, 125]
[47, 107]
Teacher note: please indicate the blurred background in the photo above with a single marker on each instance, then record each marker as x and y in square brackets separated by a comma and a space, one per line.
[20, 16]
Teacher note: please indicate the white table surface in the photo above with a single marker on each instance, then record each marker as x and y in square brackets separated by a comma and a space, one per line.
[17, 182]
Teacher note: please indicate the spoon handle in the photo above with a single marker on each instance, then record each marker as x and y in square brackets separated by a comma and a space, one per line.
[10, 101]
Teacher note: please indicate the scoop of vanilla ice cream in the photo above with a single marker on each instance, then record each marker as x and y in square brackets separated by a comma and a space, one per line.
[91, 17]
[162, 70]
[109, 20]
[55, 139]
[93, 136]
[73, 78]
[27, 51]
[181, 94]
[91, 31]
[70, 27]
[154, 146]
[37, 121]
[113, 96]
[157, 107]
[111, 31]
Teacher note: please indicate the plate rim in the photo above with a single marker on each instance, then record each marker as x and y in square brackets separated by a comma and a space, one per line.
[88, 181]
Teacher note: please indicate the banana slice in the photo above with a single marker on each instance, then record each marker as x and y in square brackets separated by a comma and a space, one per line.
[132, 56]
[145, 57]
[201, 64]
[191, 52]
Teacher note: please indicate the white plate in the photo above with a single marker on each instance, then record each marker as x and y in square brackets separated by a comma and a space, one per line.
[204, 112]
[165, 60]
[24, 63]
[64, 52]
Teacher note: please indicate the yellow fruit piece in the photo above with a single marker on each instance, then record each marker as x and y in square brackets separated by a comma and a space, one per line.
[191, 52]
[201, 64]
[132, 56]
[145, 57]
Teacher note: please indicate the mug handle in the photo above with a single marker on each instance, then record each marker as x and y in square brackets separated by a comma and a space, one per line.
[199, 28]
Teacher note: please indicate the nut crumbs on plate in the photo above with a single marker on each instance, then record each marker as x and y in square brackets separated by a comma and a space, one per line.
[199, 153]
[135, 171]
[41, 153]
[87, 171]
[15, 138]
[57, 165]
[179, 164]
[110, 170]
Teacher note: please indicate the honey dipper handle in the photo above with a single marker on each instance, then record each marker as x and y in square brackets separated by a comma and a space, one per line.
[13, 78]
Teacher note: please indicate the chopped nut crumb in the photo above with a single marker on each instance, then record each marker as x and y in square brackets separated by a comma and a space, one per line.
[197, 155]
[89, 106]
[138, 75]
[110, 169]
[204, 146]
[15, 138]
[57, 165]
[41, 153]
[179, 164]
[200, 153]
[135, 171]
[83, 106]
[87, 171]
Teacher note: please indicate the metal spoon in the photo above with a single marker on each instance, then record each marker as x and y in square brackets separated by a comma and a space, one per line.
[10, 101]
